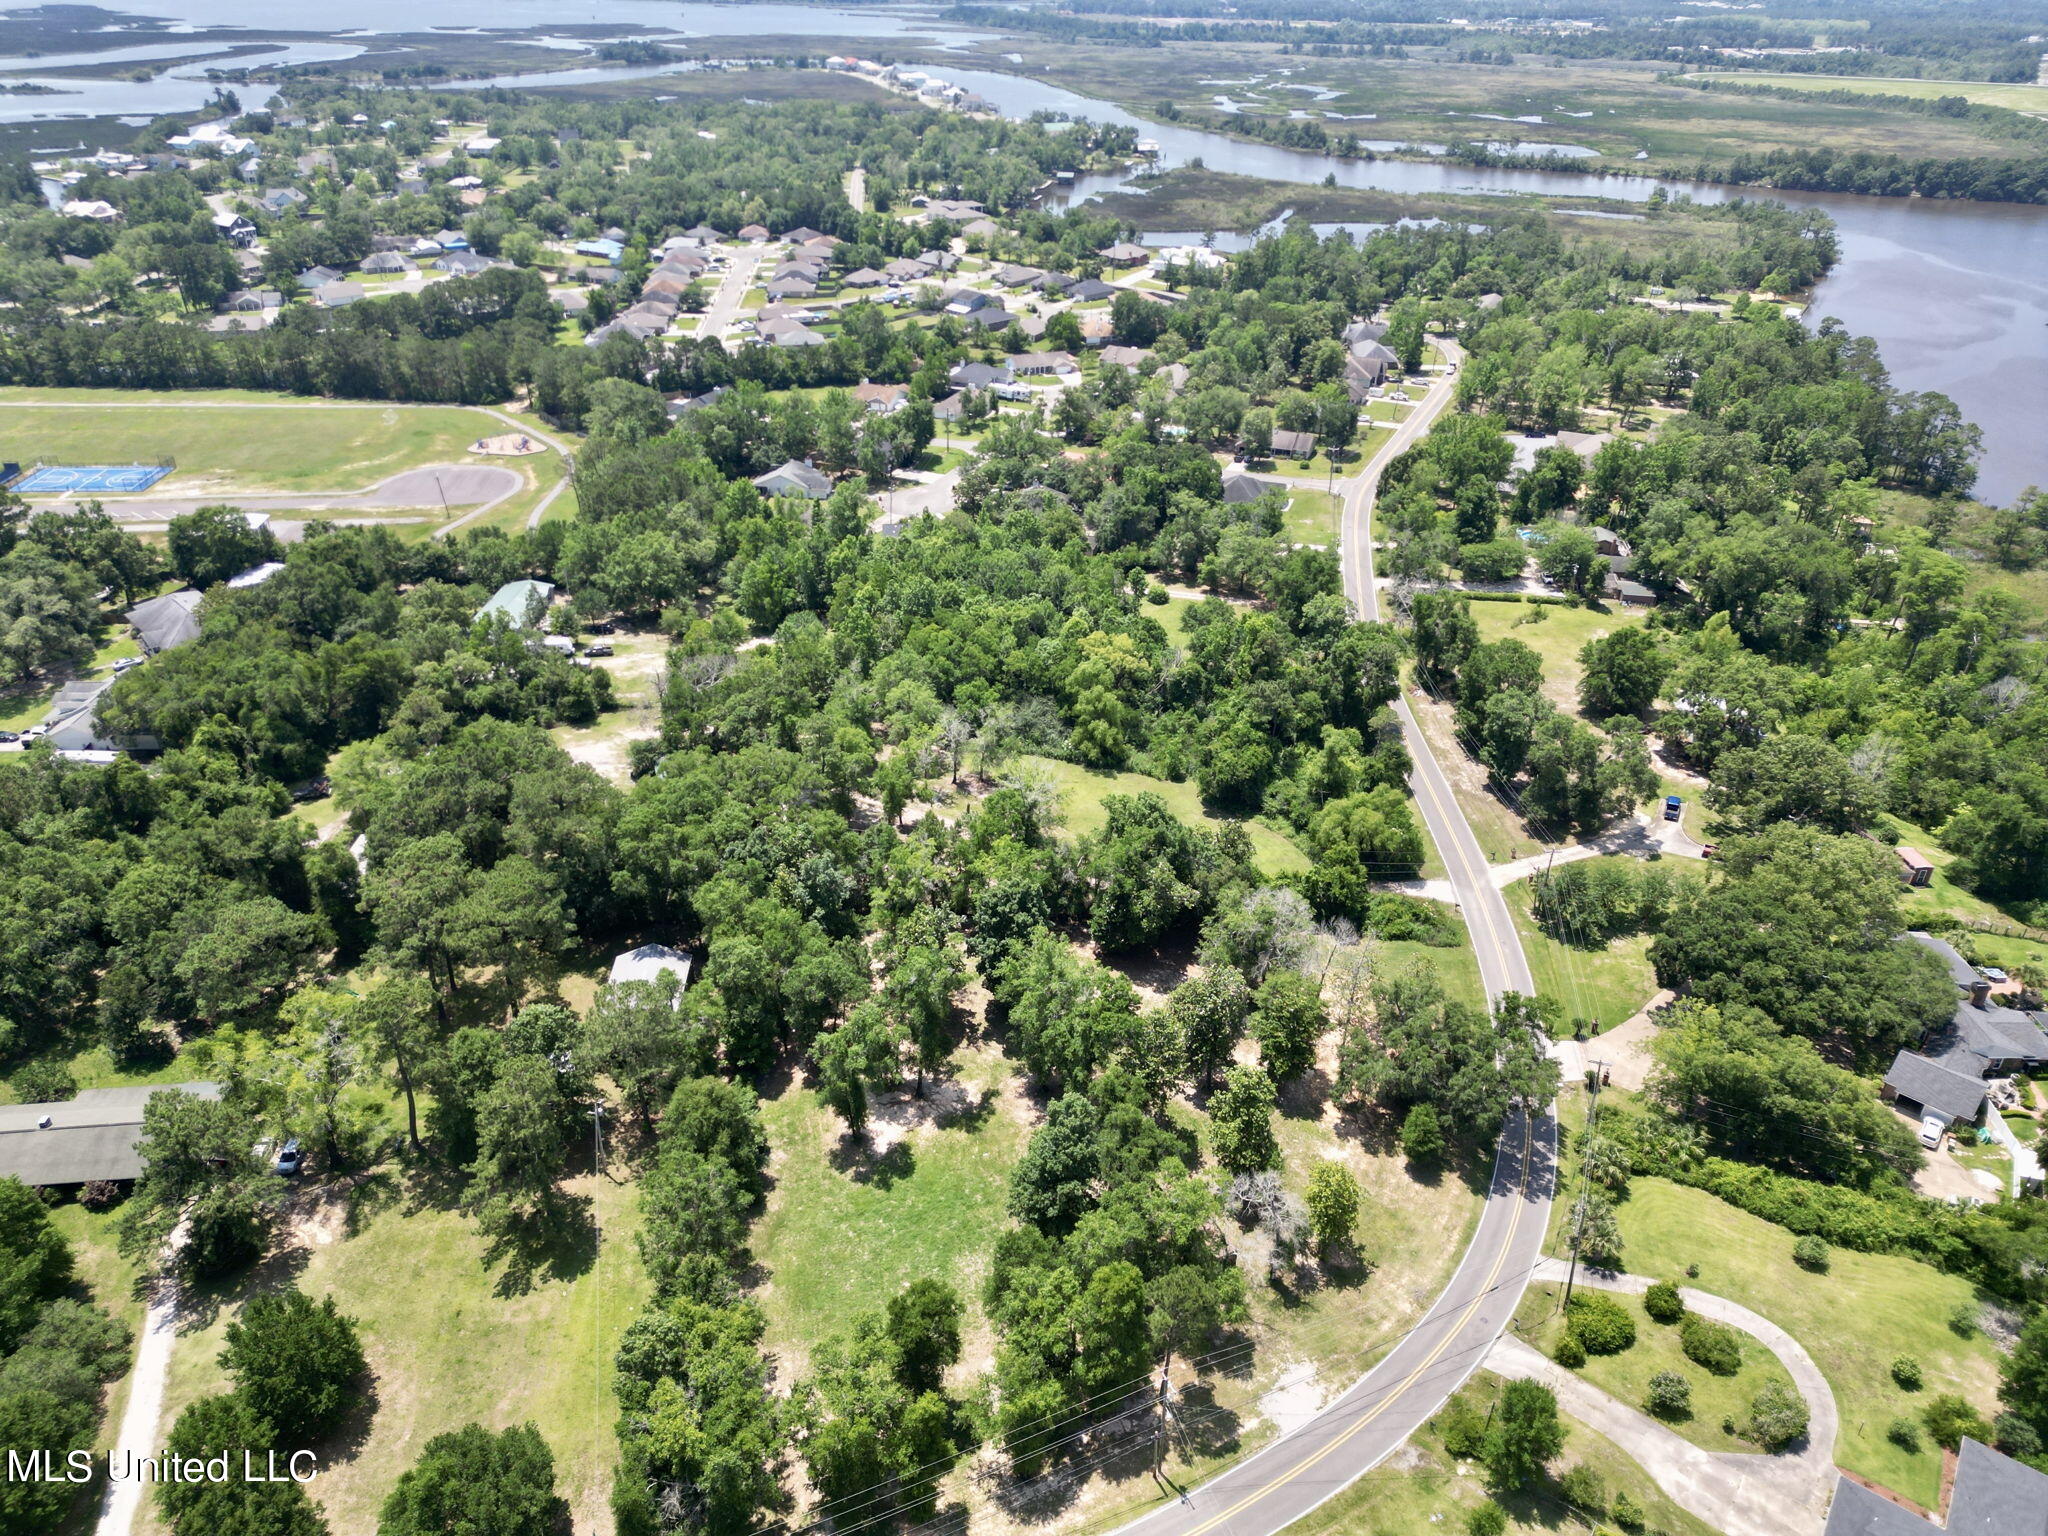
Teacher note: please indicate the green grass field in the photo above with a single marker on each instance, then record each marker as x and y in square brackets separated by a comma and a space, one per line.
[1311, 518]
[445, 1349]
[1557, 636]
[1854, 1320]
[1716, 1400]
[1081, 792]
[280, 446]
[847, 1227]
[2031, 99]
[1604, 985]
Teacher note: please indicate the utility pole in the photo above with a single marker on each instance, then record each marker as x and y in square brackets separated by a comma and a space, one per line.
[1159, 1431]
[1579, 1213]
[597, 1260]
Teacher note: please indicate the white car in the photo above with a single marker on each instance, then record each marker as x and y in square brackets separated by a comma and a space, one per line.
[1931, 1129]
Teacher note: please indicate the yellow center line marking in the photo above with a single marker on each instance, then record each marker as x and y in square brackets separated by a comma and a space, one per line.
[1507, 1243]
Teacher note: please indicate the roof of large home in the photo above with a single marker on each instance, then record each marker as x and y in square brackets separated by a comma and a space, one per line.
[1993, 1496]
[1241, 488]
[795, 472]
[1960, 971]
[1981, 1035]
[649, 961]
[90, 1137]
[514, 598]
[1930, 1084]
[165, 621]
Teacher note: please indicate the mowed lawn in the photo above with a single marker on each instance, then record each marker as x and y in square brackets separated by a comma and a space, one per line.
[1866, 1311]
[1603, 985]
[848, 1225]
[1082, 790]
[279, 446]
[1557, 634]
[446, 1349]
[1716, 1400]
[1311, 518]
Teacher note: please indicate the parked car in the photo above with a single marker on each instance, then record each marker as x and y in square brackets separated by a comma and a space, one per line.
[126, 662]
[290, 1160]
[598, 648]
[1931, 1129]
[9, 736]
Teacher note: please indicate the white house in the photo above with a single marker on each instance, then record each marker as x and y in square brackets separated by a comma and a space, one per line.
[649, 962]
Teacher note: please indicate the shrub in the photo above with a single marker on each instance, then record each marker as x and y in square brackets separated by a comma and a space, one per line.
[1489, 1519]
[299, 1365]
[1463, 1428]
[1603, 1325]
[1777, 1416]
[1422, 1135]
[1962, 1322]
[1811, 1253]
[1570, 1353]
[1710, 1344]
[45, 1082]
[2015, 1436]
[1583, 1489]
[1904, 1432]
[1906, 1372]
[1948, 1419]
[1670, 1396]
[100, 1195]
[1663, 1302]
[1628, 1514]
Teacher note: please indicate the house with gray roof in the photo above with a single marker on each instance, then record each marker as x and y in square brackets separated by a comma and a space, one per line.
[1241, 488]
[1993, 1495]
[82, 1140]
[167, 621]
[1922, 1087]
[515, 600]
[1982, 1039]
[794, 478]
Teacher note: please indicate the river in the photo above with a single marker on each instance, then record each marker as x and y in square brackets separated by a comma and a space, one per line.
[1954, 294]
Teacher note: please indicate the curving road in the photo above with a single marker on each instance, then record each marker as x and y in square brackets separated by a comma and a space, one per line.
[1296, 1473]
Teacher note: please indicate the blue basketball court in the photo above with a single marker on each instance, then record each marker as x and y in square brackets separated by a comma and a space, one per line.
[89, 479]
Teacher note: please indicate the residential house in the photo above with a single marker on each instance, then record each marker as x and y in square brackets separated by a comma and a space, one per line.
[803, 234]
[1992, 1495]
[938, 261]
[705, 233]
[233, 228]
[166, 622]
[650, 962]
[603, 250]
[794, 478]
[451, 240]
[864, 277]
[1607, 542]
[1982, 1039]
[278, 199]
[73, 725]
[1028, 363]
[1125, 254]
[571, 301]
[1055, 284]
[992, 317]
[791, 288]
[517, 602]
[882, 399]
[1125, 357]
[252, 300]
[1089, 290]
[386, 261]
[318, 277]
[92, 1137]
[462, 263]
[986, 229]
[802, 336]
[1239, 488]
[684, 405]
[339, 295]
[809, 271]
[647, 319]
[965, 301]
[978, 375]
[952, 408]
[1014, 276]
[1293, 445]
[905, 270]
[1363, 330]
[753, 232]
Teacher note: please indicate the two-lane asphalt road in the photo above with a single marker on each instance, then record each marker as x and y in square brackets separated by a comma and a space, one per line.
[1277, 1486]
[1287, 1479]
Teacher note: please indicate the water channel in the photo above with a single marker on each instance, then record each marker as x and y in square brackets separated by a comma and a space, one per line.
[1955, 294]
